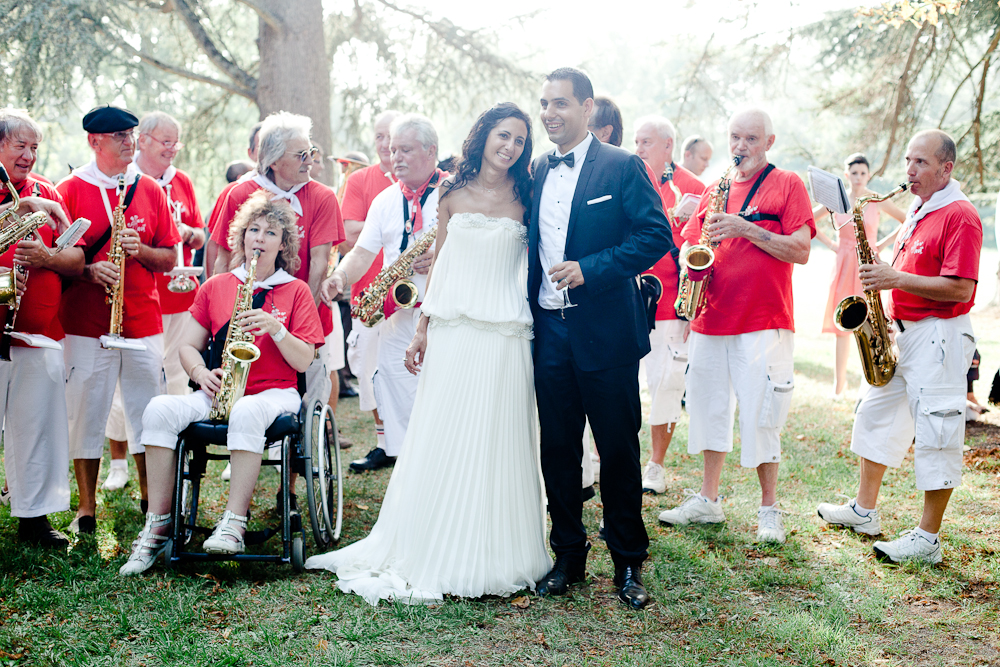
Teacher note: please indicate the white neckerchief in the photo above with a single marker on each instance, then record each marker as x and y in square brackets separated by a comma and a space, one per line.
[271, 186]
[279, 277]
[162, 181]
[249, 176]
[89, 173]
[949, 194]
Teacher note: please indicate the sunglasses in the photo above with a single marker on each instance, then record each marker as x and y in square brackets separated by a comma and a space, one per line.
[308, 154]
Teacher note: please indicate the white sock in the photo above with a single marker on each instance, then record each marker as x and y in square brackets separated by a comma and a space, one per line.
[380, 437]
[119, 463]
[768, 507]
[861, 510]
[930, 537]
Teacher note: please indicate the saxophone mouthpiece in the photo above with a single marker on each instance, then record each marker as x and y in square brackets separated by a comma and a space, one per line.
[737, 159]
[4, 178]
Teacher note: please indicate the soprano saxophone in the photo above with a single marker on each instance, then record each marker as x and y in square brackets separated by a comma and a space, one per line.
[238, 353]
[391, 289]
[117, 256]
[864, 315]
[698, 261]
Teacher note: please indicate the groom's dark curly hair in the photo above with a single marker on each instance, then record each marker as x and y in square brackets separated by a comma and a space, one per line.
[475, 144]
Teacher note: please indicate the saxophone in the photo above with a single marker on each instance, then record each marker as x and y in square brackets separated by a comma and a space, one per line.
[14, 228]
[391, 289]
[670, 213]
[697, 261]
[863, 315]
[238, 353]
[117, 256]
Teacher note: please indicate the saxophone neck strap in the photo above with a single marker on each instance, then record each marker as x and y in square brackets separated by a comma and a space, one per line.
[5, 337]
[753, 191]
[407, 220]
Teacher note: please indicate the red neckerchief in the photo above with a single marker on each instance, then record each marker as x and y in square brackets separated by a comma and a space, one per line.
[414, 197]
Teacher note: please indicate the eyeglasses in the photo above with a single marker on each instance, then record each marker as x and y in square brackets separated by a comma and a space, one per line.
[308, 154]
[122, 136]
[175, 145]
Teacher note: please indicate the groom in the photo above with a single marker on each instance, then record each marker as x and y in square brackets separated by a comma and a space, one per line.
[596, 223]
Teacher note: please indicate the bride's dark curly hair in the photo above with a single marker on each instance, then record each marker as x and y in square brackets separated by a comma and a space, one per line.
[475, 144]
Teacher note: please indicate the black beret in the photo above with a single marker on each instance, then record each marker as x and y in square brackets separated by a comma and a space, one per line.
[108, 119]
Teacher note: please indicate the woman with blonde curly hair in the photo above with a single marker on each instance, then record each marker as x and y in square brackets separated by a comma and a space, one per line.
[286, 329]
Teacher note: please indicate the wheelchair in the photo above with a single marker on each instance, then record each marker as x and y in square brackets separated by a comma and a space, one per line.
[309, 447]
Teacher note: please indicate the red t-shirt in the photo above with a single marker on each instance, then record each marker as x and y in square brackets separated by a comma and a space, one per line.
[84, 310]
[946, 242]
[220, 205]
[666, 268]
[320, 223]
[361, 189]
[182, 193]
[750, 289]
[40, 300]
[291, 304]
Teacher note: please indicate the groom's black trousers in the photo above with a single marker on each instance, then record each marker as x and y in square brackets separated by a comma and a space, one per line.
[567, 396]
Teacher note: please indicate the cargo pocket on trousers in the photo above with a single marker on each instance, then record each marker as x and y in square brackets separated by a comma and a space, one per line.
[777, 396]
[941, 418]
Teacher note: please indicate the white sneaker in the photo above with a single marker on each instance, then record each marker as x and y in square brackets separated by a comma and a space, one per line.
[911, 546]
[117, 479]
[227, 473]
[595, 463]
[848, 515]
[695, 509]
[4, 496]
[654, 478]
[770, 527]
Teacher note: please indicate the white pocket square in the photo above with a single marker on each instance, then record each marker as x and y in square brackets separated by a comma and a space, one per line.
[599, 200]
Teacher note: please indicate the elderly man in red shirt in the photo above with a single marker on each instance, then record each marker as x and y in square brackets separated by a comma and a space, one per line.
[32, 394]
[932, 283]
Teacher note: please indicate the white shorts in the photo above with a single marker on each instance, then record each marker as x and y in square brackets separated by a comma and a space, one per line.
[318, 384]
[926, 399]
[362, 356]
[167, 416]
[91, 375]
[334, 347]
[665, 368]
[395, 387]
[36, 454]
[118, 427]
[752, 369]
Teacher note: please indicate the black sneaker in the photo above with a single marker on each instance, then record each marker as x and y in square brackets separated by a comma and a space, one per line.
[375, 459]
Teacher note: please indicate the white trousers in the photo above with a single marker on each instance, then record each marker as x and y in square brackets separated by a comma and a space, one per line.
[334, 347]
[395, 387]
[925, 399]
[318, 384]
[118, 428]
[35, 435]
[362, 356]
[177, 379]
[166, 416]
[665, 368]
[91, 375]
[752, 369]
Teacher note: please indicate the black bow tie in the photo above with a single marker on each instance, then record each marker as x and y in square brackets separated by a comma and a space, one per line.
[568, 159]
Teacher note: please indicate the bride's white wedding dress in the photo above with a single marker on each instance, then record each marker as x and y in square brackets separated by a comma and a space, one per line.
[464, 512]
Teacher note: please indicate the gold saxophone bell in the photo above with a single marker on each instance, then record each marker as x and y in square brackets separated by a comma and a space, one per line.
[8, 289]
[404, 293]
[698, 258]
[851, 313]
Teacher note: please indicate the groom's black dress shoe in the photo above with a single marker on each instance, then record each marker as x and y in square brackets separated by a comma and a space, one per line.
[38, 531]
[631, 592]
[376, 459]
[567, 570]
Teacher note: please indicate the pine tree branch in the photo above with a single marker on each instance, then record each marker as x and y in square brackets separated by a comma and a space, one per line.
[901, 95]
[980, 96]
[187, 74]
[265, 14]
[208, 47]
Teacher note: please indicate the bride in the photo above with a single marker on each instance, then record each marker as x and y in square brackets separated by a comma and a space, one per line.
[463, 513]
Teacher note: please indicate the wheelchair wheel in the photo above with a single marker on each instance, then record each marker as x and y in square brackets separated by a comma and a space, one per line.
[323, 477]
[333, 497]
[298, 554]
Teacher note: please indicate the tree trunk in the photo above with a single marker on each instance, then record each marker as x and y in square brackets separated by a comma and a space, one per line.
[294, 70]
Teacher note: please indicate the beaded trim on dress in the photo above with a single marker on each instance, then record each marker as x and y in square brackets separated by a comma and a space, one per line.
[485, 221]
[504, 328]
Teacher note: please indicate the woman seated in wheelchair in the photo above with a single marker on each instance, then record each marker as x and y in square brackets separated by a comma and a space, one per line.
[286, 328]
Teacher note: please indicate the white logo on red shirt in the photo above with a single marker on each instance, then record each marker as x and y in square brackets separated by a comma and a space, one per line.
[918, 247]
[279, 315]
[137, 223]
[302, 232]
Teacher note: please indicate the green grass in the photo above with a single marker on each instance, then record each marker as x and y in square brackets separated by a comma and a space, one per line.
[719, 598]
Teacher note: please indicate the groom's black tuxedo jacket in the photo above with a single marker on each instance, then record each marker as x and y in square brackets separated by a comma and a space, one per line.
[614, 240]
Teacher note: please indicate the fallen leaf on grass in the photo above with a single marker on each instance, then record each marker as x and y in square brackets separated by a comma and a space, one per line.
[362, 507]
[322, 645]
[521, 602]
[226, 633]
